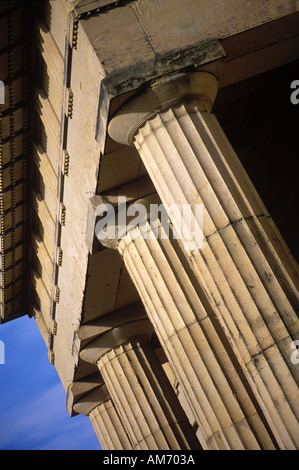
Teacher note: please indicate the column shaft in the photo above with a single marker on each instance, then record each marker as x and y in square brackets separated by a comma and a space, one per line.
[138, 386]
[226, 416]
[108, 427]
[145, 400]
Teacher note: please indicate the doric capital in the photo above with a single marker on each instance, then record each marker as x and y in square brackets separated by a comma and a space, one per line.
[164, 93]
[139, 330]
[125, 218]
[91, 400]
[79, 388]
[91, 330]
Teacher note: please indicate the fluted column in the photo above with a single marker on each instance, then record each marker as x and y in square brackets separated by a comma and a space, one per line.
[104, 419]
[226, 414]
[246, 273]
[139, 388]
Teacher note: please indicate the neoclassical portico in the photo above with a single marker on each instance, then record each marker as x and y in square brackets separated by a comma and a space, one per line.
[247, 276]
[177, 335]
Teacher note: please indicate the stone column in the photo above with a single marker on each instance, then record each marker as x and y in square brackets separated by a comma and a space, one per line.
[246, 273]
[139, 388]
[225, 413]
[104, 418]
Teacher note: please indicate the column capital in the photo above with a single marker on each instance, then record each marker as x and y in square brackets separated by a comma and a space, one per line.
[124, 219]
[91, 400]
[139, 330]
[162, 94]
[93, 329]
[79, 388]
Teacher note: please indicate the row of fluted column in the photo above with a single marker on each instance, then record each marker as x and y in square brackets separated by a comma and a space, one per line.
[225, 311]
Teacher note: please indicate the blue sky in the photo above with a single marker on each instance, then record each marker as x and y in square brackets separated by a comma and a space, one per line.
[33, 414]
